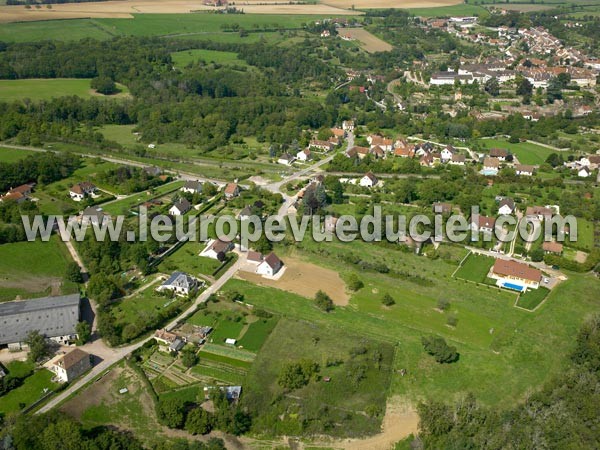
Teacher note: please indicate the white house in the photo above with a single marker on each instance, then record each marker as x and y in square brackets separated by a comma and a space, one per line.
[483, 224]
[192, 187]
[584, 172]
[458, 160]
[524, 170]
[179, 283]
[71, 365]
[368, 180]
[180, 207]
[447, 153]
[286, 159]
[80, 190]
[304, 155]
[506, 206]
[270, 265]
[93, 215]
[348, 125]
[217, 248]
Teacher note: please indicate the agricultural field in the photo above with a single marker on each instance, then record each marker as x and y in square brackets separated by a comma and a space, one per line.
[383, 4]
[369, 42]
[25, 272]
[475, 268]
[460, 9]
[46, 89]
[32, 390]
[526, 152]
[11, 155]
[182, 59]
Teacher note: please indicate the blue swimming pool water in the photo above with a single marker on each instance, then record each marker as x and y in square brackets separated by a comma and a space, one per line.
[514, 287]
[488, 172]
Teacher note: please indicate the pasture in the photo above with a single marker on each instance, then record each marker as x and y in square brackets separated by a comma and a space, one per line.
[46, 89]
[11, 155]
[448, 10]
[384, 4]
[25, 272]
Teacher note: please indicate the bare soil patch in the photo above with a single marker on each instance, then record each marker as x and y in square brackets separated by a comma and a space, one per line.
[370, 42]
[364, 4]
[33, 284]
[305, 279]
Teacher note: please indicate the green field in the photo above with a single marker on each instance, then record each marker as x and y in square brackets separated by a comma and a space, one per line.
[202, 26]
[475, 268]
[28, 393]
[256, 334]
[25, 271]
[11, 155]
[448, 11]
[124, 205]
[187, 260]
[48, 88]
[526, 152]
[182, 59]
[585, 235]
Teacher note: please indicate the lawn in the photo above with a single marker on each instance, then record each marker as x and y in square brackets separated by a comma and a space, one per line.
[187, 260]
[45, 89]
[257, 333]
[125, 205]
[585, 235]
[475, 268]
[532, 298]
[182, 59]
[61, 30]
[526, 152]
[25, 269]
[28, 393]
[11, 155]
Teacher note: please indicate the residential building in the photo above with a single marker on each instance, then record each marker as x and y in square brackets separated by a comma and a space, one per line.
[552, 247]
[270, 265]
[54, 317]
[168, 342]
[232, 190]
[368, 180]
[217, 249]
[348, 125]
[539, 212]
[500, 153]
[515, 275]
[458, 160]
[180, 207]
[192, 187]
[286, 159]
[81, 190]
[483, 224]
[321, 145]
[304, 155]
[506, 206]
[180, 283]
[93, 215]
[524, 170]
[71, 365]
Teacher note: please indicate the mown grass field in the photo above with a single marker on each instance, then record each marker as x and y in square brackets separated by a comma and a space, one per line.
[11, 155]
[532, 298]
[526, 152]
[182, 59]
[34, 269]
[47, 88]
[187, 259]
[475, 268]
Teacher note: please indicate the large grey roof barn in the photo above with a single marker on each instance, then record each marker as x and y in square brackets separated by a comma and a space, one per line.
[54, 317]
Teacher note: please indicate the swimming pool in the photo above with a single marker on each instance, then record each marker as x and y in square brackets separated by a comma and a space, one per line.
[514, 286]
[489, 172]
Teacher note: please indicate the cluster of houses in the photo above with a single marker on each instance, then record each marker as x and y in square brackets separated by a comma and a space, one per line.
[585, 166]
[19, 194]
[314, 145]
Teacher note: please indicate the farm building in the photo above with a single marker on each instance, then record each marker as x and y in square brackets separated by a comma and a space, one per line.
[54, 317]
[71, 365]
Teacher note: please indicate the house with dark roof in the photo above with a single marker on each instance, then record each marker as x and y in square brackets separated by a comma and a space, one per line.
[93, 215]
[192, 187]
[482, 224]
[168, 342]
[180, 207]
[524, 169]
[270, 265]
[81, 190]
[54, 317]
[180, 283]
[217, 249]
[368, 180]
[500, 153]
[506, 206]
[70, 365]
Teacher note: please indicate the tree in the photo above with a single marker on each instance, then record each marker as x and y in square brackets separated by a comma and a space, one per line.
[73, 273]
[295, 375]
[555, 160]
[439, 349]
[189, 357]
[38, 346]
[388, 300]
[337, 194]
[84, 332]
[104, 85]
[554, 90]
[263, 244]
[323, 301]
[355, 283]
[492, 87]
[524, 87]
[443, 304]
[199, 421]
[537, 254]
[171, 412]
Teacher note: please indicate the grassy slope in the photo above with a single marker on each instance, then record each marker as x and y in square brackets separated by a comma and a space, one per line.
[29, 392]
[10, 155]
[182, 59]
[526, 152]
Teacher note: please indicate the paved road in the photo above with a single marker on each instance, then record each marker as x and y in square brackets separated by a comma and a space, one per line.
[111, 356]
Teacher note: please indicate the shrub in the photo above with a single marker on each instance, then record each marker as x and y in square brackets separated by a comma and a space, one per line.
[387, 300]
[439, 349]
